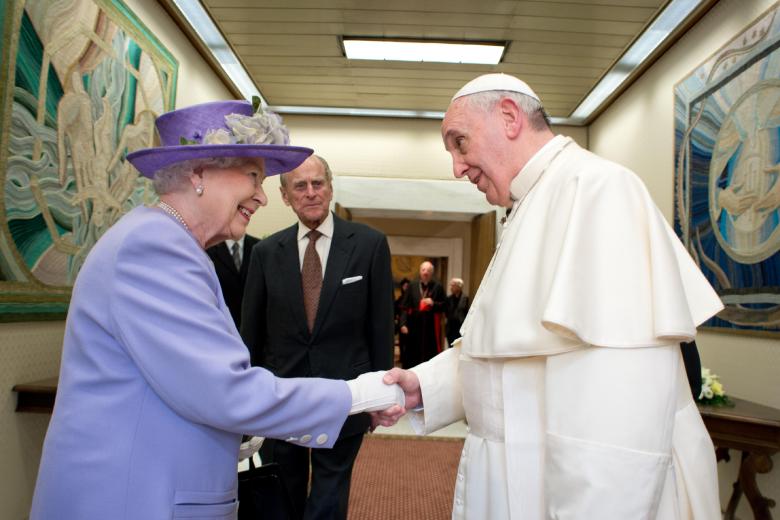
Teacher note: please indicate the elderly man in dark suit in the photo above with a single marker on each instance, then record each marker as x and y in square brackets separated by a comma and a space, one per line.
[319, 303]
[231, 261]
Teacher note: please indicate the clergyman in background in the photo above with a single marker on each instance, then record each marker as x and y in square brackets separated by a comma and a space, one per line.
[398, 308]
[424, 303]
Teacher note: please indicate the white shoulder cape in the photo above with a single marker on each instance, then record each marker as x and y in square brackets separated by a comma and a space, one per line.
[586, 258]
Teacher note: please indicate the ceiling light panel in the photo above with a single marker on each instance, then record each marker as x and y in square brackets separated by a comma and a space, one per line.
[483, 53]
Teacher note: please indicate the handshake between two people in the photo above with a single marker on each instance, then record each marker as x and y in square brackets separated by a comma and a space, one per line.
[385, 395]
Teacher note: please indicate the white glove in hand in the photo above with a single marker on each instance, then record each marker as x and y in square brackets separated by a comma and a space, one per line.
[370, 394]
[250, 447]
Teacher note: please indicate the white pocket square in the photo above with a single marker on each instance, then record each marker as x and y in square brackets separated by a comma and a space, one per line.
[351, 279]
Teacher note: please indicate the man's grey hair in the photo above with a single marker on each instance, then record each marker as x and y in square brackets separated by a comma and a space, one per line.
[328, 172]
[176, 176]
[458, 282]
[531, 107]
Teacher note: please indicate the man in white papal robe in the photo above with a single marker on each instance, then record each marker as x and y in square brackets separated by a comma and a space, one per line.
[569, 370]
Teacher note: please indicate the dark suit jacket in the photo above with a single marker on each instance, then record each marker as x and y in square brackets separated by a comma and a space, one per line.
[353, 331]
[692, 361]
[230, 279]
[456, 310]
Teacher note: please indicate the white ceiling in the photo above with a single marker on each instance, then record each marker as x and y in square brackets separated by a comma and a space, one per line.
[292, 49]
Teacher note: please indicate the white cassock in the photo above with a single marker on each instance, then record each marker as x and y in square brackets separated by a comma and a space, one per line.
[569, 372]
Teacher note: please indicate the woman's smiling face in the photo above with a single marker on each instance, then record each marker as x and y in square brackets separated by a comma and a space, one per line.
[230, 198]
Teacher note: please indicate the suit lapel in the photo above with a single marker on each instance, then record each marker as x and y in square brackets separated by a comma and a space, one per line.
[341, 247]
[290, 272]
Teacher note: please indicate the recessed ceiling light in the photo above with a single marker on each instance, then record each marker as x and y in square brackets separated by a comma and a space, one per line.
[432, 51]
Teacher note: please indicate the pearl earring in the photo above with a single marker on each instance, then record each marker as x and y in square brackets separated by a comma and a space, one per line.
[199, 190]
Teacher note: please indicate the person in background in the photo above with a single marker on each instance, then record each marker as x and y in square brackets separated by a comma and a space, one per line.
[424, 302]
[456, 308]
[155, 386]
[231, 261]
[569, 370]
[692, 363]
[398, 308]
[319, 303]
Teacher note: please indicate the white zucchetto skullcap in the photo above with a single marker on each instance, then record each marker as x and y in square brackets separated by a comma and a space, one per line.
[495, 81]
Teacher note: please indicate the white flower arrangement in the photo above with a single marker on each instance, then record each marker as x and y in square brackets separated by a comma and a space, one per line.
[219, 136]
[262, 127]
[712, 392]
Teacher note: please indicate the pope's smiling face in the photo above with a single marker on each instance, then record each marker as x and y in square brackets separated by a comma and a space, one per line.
[476, 140]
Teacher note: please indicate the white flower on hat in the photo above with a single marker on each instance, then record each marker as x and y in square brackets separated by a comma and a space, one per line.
[219, 136]
[261, 128]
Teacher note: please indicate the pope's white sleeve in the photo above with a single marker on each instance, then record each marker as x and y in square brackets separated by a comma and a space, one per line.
[441, 392]
[610, 416]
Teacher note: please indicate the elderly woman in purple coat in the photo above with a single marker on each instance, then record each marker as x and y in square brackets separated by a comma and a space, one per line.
[155, 387]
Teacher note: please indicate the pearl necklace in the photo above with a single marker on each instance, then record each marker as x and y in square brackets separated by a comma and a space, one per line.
[172, 212]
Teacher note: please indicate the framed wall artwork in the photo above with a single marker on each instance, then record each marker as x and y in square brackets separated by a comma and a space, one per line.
[727, 175]
[81, 82]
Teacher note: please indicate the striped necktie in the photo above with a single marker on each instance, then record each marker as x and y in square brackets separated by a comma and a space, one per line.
[236, 253]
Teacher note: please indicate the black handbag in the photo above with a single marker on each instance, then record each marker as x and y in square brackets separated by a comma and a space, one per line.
[262, 494]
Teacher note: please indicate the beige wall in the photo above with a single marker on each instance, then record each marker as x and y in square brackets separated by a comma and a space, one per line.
[638, 131]
[31, 351]
[359, 147]
[28, 352]
[381, 148]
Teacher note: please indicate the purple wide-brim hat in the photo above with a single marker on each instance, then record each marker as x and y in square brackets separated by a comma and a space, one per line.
[191, 125]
